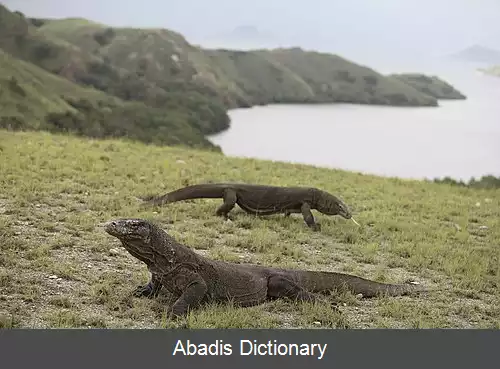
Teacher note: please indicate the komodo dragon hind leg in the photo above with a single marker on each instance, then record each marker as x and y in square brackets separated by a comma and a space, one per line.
[229, 203]
[281, 287]
[150, 290]
[193, 289]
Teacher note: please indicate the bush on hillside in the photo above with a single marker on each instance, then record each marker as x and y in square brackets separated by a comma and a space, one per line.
[105, 37]
[485, 182]
[345, 76]
[12, 123]
[37, 22]
[15, 87]
[134, 121]
[371, 80]
[42, 52]
[202, 104]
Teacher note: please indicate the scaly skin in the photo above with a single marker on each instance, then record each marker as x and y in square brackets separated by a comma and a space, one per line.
[194, 279]
[261, 200]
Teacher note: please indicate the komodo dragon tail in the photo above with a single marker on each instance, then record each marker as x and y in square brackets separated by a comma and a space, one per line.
[198, 191]
[326, 281]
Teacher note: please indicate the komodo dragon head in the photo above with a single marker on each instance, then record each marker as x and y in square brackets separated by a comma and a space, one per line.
[142, 239]
[331, 205]
[129, 229]
[135, 235]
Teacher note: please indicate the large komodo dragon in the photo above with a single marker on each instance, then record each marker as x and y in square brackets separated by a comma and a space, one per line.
[194, 279]
[261, 200]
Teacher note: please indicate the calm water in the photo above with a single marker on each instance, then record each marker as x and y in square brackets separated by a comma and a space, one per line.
[460, 139]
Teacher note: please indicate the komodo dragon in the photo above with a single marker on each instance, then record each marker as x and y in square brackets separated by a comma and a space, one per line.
[194, 279]
[261, 200]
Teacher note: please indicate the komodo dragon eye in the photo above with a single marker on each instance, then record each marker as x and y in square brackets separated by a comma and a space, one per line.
[137, 227]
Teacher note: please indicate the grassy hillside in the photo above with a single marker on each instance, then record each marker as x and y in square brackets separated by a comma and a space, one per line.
[430, 85]
[237, 78]
[33, 99]
[57, 269]
[156, 87]
[29, 93]
[332, 78]
[21, 38]
[257, 80]
[485, 182]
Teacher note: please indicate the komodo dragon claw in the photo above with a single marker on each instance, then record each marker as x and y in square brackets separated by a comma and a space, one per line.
[143, 291]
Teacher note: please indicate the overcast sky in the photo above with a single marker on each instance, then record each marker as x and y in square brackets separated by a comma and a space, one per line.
[353, 27]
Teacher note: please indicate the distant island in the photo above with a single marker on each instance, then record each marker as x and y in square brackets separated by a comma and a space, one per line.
[77, 76]
[479, 54]
[243, 37]
[492, 71]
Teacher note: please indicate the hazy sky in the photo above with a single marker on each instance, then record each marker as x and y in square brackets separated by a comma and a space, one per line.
[354, 27]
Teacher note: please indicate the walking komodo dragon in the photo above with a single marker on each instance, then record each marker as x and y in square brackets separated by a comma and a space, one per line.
[261, 200]
[194, 279]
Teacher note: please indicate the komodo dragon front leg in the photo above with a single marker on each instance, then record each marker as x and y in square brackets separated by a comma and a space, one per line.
[151, 289]
[309, 217]
[189, 286]
[305, 209]
[230, 198]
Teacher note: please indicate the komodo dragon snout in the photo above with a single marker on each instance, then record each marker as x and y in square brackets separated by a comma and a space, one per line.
[128, 228]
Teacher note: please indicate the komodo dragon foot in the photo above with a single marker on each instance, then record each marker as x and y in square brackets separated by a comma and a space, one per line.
[145, 291]
[335, 303]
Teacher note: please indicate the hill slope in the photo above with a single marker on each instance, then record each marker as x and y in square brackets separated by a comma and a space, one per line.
[20, 37]
[33, 99]
[58, 269]
[430, 85]
[237, 78]
[164, 89]
[331, 77]
[29, 93]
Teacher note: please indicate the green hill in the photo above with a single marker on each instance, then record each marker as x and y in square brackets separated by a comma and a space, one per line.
[332, 78]
[21, 38]
[159, 87]
[298, 76]
[239, 78]
[430, 85]
[58, 269]
[33, 99]
[29, 93]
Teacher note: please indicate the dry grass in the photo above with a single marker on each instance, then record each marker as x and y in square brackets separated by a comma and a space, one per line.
[58, 270]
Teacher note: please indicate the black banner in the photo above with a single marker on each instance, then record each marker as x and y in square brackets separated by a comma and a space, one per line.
[236, 348]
